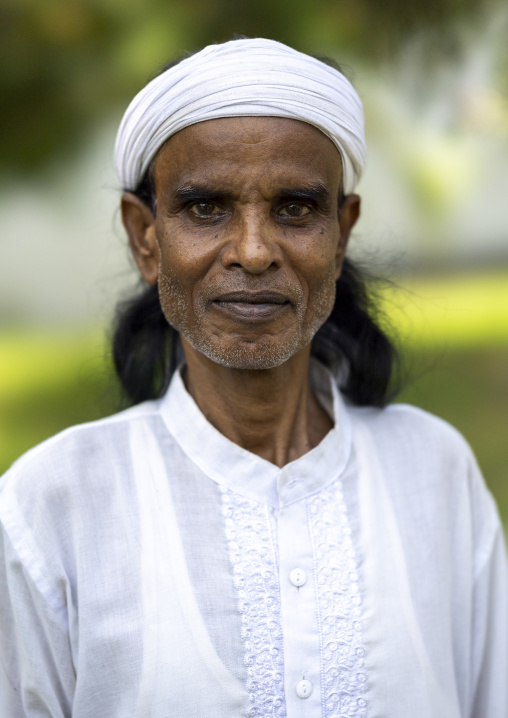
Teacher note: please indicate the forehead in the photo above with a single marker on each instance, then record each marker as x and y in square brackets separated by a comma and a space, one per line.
[269, 149]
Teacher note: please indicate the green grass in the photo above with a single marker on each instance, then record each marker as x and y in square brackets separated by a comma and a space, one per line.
[460, 312]
[48, 382]
[455, 340]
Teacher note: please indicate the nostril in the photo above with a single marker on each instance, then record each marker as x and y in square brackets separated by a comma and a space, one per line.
[252, 251]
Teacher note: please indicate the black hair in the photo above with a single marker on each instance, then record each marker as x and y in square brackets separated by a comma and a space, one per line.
[146, 348]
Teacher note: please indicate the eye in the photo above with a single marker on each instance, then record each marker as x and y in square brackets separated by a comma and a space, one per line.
[295, 210]
[204, 209]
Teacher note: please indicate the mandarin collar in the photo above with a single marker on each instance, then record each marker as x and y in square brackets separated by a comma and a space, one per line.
[235, 468]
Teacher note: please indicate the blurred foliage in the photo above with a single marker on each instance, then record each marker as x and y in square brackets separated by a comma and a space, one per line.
[455, 369]
[64, 64]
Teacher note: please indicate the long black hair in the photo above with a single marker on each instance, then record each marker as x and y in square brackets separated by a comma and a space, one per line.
[146, 349]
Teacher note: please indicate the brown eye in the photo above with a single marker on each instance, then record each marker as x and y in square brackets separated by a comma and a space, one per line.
[295, 211]
[203, 209]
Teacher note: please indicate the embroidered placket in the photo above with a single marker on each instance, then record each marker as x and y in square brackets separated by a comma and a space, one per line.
[343, 674]
[252, 554]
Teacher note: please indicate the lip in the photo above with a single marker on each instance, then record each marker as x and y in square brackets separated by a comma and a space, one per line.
[252, 306]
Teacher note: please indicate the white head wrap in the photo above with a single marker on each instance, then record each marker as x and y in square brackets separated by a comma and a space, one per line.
[254, 77]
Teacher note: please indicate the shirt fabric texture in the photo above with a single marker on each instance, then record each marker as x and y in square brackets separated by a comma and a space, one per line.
[151, 567]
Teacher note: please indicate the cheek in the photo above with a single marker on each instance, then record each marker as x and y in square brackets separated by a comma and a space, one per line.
[184, 270]
[173, 299]
[317, 266]
[320, 280]
[176, 255]
[185, 255]
[322, 294]
[175, 280]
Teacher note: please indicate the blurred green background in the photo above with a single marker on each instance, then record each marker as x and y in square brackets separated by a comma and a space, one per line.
[433, 77]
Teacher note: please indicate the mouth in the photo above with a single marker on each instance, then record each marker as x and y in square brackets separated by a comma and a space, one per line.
[252, 306]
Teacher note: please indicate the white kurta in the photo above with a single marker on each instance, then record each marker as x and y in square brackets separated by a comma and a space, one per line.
[149, 567]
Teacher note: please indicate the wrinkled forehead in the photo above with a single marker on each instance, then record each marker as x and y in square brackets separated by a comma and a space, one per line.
[241, 138]
[264, 155]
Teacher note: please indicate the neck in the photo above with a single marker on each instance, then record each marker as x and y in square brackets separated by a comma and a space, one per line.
[271, 413]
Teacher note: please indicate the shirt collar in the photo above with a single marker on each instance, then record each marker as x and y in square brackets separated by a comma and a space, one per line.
[238, 469]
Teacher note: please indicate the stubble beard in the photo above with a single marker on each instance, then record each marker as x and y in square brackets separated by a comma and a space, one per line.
[266, 352]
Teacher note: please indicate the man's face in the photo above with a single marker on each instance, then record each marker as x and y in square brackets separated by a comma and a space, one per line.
[248, 236]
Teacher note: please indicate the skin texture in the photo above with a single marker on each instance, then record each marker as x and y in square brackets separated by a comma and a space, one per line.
[246, 246]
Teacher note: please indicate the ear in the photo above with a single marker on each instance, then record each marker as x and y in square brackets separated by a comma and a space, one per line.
[349, 211]
[139, 224]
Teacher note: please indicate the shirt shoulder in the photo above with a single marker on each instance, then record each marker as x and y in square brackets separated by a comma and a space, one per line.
[63, 492]
[432, 475]
[66, 473]
[413, 434]
[76, 442]
[420, 450]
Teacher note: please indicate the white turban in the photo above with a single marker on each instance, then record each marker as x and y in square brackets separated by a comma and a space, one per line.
[248, 78]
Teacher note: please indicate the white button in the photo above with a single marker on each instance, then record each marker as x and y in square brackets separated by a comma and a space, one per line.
[298, 577]
[303, 688]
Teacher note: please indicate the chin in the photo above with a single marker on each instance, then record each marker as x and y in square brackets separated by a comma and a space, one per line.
[253, 356]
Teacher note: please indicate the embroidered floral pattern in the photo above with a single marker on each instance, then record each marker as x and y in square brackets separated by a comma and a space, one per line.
[256, 580]
[343, 674]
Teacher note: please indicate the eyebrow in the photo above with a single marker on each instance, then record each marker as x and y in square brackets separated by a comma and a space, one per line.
[190, 192]
[316, 191]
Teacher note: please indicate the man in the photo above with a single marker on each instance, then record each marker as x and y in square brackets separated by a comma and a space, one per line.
[251, 543]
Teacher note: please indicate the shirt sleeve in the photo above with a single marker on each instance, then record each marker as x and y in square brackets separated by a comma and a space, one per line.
[36, 673]
[490, 634]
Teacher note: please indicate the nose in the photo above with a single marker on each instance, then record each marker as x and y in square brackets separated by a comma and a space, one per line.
[252, 246]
